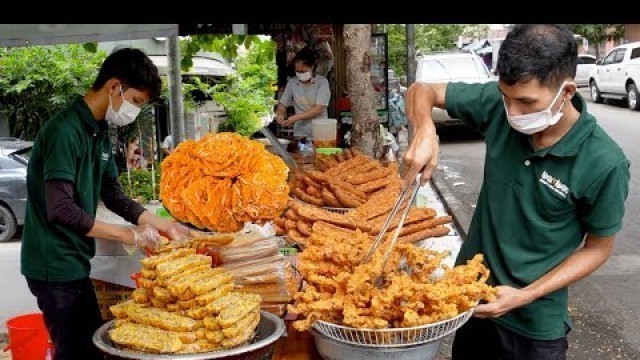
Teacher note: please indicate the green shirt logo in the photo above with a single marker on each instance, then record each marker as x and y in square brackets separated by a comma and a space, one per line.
[554, 184]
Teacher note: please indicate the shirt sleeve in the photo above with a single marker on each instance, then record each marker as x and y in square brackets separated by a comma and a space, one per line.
[60, 150]
[475, 104]
[114, 198]
[287, 95]
[323, 96]
[165, 143]
[62, 209]
[603, 208]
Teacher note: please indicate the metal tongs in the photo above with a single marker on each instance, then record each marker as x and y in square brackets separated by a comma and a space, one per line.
[401, 199]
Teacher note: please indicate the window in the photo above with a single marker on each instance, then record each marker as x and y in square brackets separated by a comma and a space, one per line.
[609, 59]
[635, 53]
[619, 56]
[586, 60]
[452, 68]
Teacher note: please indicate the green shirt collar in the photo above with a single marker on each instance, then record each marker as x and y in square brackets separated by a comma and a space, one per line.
[570, 143]
[90, 123]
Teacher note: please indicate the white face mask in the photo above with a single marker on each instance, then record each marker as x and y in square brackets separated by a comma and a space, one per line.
[535, 122]
[125, 115]
[304, 77]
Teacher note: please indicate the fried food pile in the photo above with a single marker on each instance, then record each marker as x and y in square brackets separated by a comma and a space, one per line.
[346, 180]
[183, 305]
[418, 289]
[223, 180]
[420, 224]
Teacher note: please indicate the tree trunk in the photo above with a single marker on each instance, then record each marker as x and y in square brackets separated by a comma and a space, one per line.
[365, 134]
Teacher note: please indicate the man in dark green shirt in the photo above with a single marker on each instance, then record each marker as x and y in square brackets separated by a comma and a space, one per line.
[71, 168]
[552, 198]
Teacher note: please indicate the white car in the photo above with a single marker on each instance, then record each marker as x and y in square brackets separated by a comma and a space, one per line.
[617, 76]
[449, 66]
[586, 63]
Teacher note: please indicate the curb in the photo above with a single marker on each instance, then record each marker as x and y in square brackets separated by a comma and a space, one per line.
[453, 206]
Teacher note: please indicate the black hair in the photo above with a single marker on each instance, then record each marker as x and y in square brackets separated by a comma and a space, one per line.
[547, 52]
[307, 56]
[133, 68]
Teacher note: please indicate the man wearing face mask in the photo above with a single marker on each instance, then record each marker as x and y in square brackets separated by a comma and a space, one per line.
[307, 92]
[71, 168]
[553, 194]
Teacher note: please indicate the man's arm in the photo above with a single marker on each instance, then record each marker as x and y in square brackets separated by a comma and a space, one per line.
[591, 256]
[422, 154]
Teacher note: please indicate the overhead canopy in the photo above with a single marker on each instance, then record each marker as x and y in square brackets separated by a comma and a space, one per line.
[201, 66]
[50, 34]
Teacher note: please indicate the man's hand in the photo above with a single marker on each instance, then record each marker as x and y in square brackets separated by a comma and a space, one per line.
[175, 230]
[421, 155]
[145, 236]
[280, 119]
[508, 298]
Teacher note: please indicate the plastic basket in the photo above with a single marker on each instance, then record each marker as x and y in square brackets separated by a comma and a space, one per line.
[109, 294]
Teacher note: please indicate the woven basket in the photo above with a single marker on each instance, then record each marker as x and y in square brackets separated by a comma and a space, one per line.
[110, 294]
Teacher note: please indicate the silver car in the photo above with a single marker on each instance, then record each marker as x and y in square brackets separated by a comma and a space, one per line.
[14, 157]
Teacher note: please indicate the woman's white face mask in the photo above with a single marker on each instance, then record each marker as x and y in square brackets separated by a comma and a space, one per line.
[304, 76]
[537, 121]
[125, 115]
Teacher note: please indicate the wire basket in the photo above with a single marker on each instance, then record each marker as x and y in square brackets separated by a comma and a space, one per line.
[396, 337]
[337, 210]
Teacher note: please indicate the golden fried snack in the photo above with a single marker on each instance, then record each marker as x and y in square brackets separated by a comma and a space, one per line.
[280, 231]
[347, 154]
[379, 173]
[186, 295]
[317, 176]
[147, 284]
[162, 294]
[241, 308]
[140, 295]
[290, 224]
[183, 275]
[424, 234]
[300, 194]
[171, 268]
[146, 338]
[152, 261]
[330, 199]
[312, 214]
[188, 304]
[314, 191]
[340, 156]
[296, 237]
[179, 286]
[201, 333]
[303, 228]
[217, 305]
[310, 182]
[196, 313]
[346, 198]
[211, 323]
[373, 186]
[161, 319]
[120, 322]
[335, 183]
[158, 303]
[204, 286]
[219, 292]
[148, 273]
[242, 324]
[344, 166]
[291, 215]
[415, 215]
[358, 173]
[215, 336]
[246, 335]
[189, 337]
[121, 310]
[423, 225]
[172, 307]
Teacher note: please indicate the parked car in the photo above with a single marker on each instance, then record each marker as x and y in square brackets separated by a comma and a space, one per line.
[586, 63]
[617, 76]
[449, 66]
[14, 157]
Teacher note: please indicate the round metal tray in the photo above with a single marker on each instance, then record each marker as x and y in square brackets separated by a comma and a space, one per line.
[331, 349]
[268, 331]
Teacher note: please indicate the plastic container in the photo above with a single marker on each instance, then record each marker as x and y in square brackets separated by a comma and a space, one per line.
[28, 337]
[325, 133]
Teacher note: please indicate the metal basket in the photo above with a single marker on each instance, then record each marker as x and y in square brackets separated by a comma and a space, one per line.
[396, 337]
[337, 210]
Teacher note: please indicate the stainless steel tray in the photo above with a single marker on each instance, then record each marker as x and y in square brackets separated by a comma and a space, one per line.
[269, 330]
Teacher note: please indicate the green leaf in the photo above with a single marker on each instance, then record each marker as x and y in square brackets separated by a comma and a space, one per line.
[90, 47]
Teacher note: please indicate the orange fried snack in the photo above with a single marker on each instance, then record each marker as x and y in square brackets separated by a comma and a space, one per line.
[223, 180]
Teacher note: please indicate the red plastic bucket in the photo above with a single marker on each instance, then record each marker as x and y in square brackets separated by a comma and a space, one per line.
[28, 337]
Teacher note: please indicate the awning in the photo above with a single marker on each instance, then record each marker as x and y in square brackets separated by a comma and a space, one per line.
[201, 66]
[50, 34]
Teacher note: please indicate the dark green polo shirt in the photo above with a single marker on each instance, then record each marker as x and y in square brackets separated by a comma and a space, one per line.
[535, 207]
[71, 146]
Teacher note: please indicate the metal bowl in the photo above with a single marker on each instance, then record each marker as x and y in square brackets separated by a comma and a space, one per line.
[331, 349]
[268, 331]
